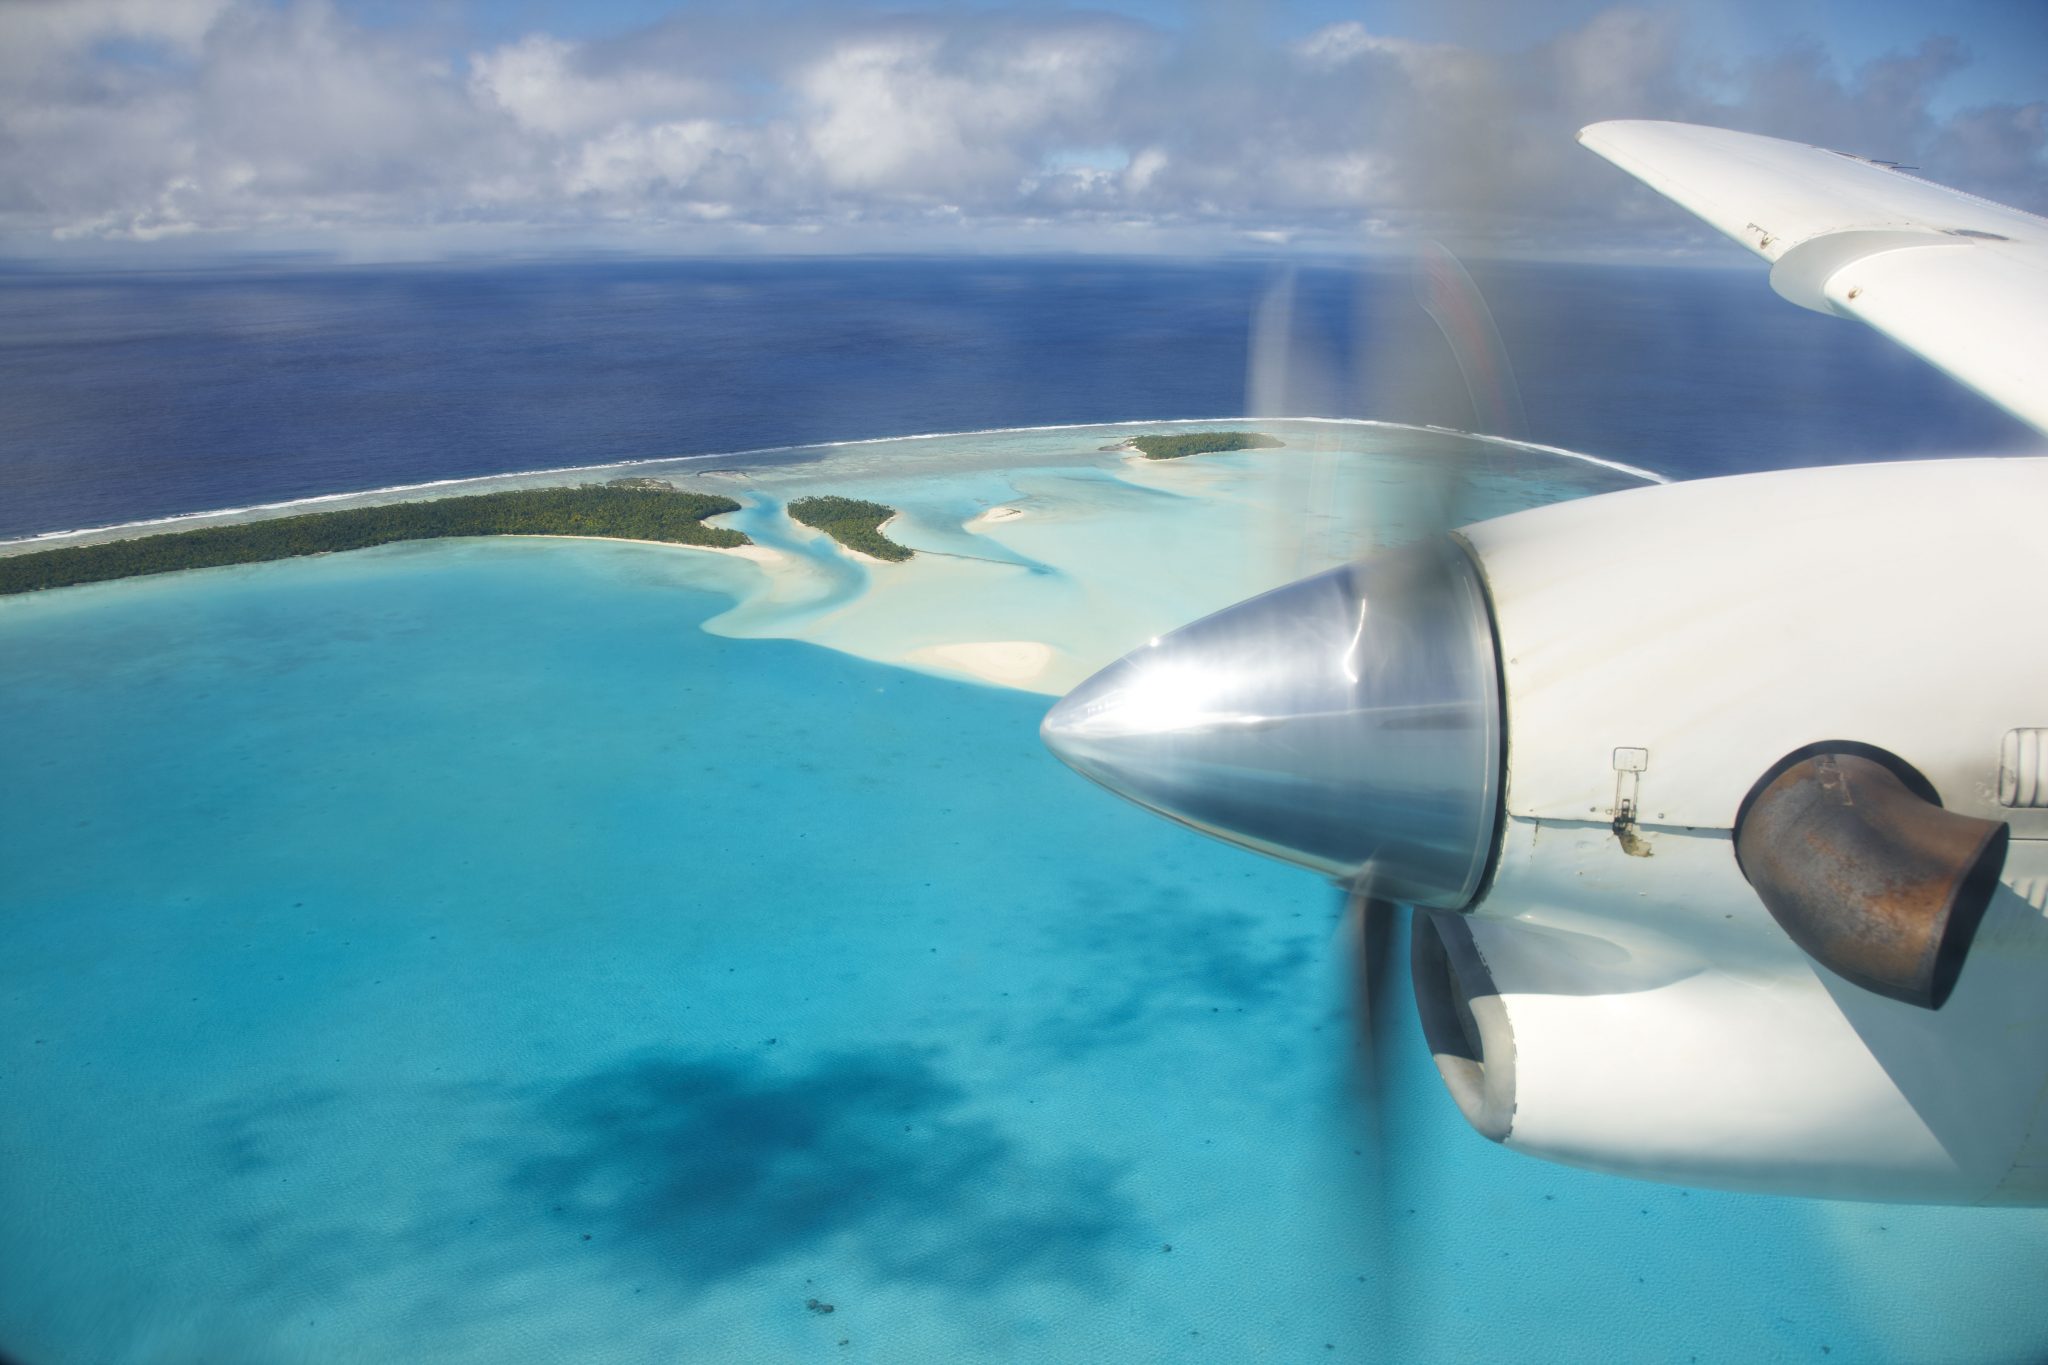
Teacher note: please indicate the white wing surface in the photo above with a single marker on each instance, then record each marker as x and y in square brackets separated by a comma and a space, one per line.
[1958, 280]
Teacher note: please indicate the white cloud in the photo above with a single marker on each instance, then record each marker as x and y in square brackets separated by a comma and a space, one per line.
[913, 111]
[247, 120]
[542, 84]
[38, 31]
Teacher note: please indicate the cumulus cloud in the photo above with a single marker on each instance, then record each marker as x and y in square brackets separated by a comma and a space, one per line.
[246, 122]
[549, 87]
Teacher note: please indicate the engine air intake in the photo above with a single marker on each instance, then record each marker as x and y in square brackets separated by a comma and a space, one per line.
[1470, 1038]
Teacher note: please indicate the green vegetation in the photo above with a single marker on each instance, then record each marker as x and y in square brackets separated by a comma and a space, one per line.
[852, 522]
[1201, 443]
[627, 510]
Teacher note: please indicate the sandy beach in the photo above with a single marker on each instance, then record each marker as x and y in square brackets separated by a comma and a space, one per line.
[994, 516]
[1006, 663]
[760, 554]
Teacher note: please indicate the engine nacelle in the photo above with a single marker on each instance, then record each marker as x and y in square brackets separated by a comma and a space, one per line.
[1726, 804]
[1632, 1004]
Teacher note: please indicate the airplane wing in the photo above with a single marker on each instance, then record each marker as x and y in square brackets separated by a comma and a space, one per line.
[1960, 281]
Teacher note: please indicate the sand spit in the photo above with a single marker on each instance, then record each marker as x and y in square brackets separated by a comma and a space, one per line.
[1006, 663]
[864, 557]
[993, 516]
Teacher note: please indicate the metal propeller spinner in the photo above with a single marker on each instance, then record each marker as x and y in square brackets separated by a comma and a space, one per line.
[1350, 723]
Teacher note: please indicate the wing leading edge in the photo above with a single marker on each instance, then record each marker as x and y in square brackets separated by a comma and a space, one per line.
[1960, 281]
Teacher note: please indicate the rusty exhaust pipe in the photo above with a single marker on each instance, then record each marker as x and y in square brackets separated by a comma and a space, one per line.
[1877, 883]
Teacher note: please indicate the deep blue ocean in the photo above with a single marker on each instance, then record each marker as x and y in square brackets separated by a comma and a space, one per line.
[131, 396]
[456, 952]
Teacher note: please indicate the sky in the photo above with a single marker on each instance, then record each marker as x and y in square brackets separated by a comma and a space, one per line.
[163, 130]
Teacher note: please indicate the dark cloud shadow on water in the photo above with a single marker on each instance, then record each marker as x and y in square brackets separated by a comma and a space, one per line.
[701, 1169]
[672, 1172]
[1153, 952]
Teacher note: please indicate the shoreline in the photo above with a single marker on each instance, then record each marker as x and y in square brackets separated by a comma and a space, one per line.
[881, 530]
[1038, 621]
[644, 510]
[863, 556]
[45, 540]
[760, 554]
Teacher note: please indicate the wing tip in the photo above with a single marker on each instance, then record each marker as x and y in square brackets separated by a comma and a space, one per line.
[1605, 129]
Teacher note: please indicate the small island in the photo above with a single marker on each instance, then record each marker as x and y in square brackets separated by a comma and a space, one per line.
[625, 509]
[1200, 443]
[853, 522]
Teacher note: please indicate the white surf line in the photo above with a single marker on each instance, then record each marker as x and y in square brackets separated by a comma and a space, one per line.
[312, 500]
[1650, 475]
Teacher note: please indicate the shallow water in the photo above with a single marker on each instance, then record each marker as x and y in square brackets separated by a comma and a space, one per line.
[1098, 550]
[457, 952]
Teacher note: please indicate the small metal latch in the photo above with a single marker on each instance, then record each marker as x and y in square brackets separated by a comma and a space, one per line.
[1629, 766]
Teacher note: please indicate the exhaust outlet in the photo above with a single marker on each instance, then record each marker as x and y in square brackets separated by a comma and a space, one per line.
[1877, 883]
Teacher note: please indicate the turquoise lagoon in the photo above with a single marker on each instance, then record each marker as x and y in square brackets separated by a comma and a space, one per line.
[527, 950]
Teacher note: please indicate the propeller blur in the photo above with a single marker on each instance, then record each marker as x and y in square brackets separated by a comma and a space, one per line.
[1726, 802]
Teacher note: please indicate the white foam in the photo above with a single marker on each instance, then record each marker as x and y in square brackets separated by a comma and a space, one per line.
[290, 505]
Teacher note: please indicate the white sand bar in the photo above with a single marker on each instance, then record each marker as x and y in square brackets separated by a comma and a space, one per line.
[1007, 663]
[1113, 550]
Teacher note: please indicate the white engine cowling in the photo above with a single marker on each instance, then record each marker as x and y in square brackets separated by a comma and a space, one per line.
[1553, 732]
[1635, 1007]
